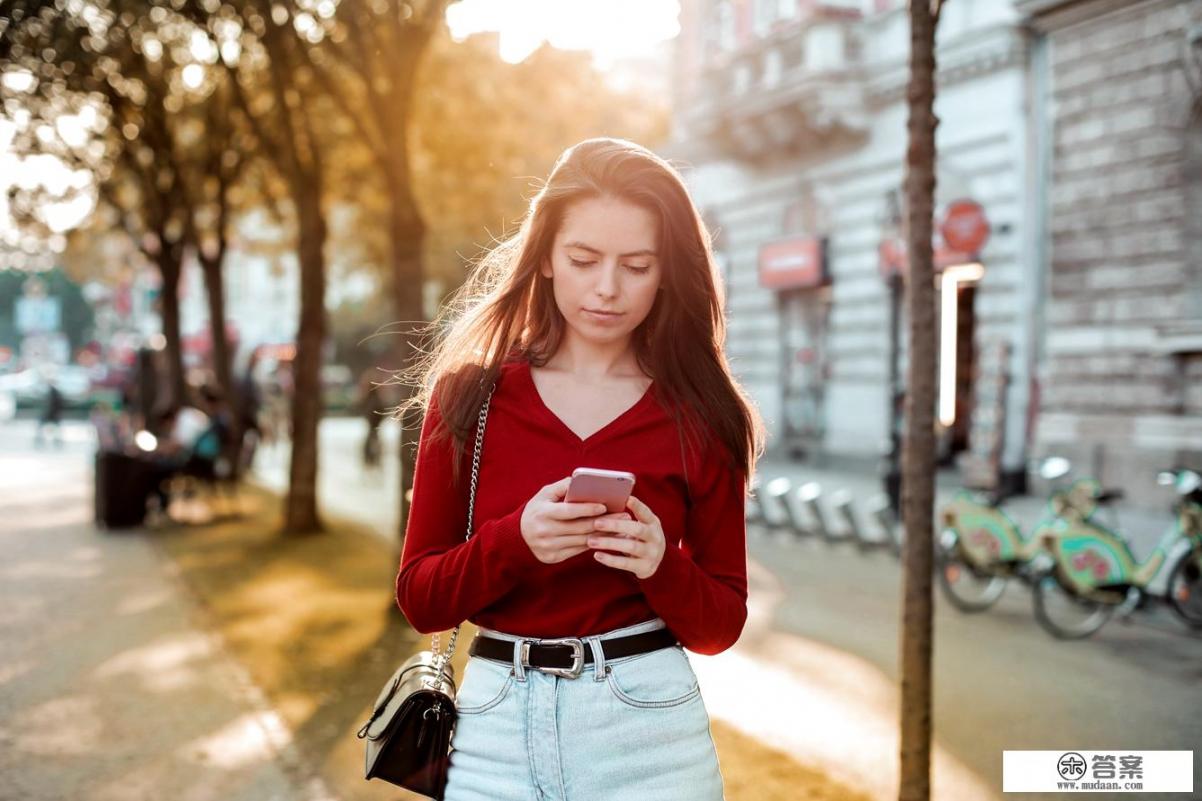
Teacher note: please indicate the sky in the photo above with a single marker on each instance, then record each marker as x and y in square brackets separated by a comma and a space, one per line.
[610, 29]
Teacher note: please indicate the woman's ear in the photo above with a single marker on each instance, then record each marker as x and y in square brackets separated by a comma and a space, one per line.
[545, 270]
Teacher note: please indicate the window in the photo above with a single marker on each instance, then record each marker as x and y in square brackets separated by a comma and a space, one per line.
[722, 25]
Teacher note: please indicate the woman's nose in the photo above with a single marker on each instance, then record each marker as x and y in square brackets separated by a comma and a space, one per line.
[607, 283]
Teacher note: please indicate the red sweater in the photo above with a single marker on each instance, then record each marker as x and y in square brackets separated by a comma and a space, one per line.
[495, 581]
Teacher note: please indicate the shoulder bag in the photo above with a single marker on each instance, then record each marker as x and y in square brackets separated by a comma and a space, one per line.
[408, 737]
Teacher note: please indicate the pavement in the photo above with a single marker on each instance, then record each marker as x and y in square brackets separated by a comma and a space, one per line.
[112, 686]
[815, 672]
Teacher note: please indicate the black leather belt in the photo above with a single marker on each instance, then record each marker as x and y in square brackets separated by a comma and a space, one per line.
[567, 656]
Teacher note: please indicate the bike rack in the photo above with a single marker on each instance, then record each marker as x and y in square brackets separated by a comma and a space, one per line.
[844, 506]
[774, 506]
[796, 525]
[890, 527]
[752, 513]
[810, 496]
[801, 527]
[752, 509]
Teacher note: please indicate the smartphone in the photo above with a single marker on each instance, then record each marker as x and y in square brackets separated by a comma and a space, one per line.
[593, 485]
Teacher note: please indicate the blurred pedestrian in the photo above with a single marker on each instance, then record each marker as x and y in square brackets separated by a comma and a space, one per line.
[249, 405]
[592, 338]
[194, 441]
[52, 416]
[373, 406]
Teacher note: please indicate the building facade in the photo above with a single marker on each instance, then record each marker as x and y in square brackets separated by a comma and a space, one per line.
[1121, 361]
[790, 120]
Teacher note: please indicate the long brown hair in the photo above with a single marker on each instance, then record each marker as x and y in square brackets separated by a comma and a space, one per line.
[503, 311]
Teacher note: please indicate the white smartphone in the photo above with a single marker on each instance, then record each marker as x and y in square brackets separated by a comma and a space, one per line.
[594, 485]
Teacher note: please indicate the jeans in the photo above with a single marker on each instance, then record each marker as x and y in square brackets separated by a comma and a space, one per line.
[628, 729]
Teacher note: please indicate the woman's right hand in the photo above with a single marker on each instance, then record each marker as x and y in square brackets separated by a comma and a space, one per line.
[554, 529]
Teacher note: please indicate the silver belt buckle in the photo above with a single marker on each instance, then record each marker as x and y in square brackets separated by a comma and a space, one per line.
[577, 646]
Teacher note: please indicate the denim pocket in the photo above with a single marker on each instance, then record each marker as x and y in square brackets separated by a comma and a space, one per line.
[654, 680]
[485, 684]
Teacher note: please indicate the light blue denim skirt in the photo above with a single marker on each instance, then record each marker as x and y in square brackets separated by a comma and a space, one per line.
[628, 729]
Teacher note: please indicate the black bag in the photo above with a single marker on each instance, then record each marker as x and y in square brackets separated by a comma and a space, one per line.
[409, 733]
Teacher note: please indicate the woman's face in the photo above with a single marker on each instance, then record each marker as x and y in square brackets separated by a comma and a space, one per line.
[604, 259]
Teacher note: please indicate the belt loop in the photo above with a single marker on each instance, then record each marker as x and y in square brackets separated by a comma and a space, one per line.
[519, 671]
[598, 658]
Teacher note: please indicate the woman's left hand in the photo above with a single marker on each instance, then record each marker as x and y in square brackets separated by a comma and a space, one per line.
[641, 540]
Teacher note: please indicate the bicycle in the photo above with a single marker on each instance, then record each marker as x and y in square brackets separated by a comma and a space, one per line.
[1094, 575]
[981, 548]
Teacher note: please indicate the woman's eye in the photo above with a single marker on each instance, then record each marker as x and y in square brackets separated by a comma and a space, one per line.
[639, 270]
[576, 263]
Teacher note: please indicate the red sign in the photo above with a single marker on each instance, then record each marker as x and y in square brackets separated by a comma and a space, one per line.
[797, 262]
[894, 258]
[964, 227]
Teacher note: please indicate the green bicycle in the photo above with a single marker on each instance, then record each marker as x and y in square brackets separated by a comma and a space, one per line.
[1094, 575]
[981, 548]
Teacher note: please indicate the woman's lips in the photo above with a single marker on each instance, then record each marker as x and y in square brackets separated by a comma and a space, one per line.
[602, 317]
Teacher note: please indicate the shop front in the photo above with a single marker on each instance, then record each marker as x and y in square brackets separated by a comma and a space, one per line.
[795, 269]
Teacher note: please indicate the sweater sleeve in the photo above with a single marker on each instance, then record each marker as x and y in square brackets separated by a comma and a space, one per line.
[444, 580]
[700, 588]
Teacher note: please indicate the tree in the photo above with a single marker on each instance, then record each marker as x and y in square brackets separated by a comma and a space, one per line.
[221, 154]
[918, 449]
[162, 151]
[263, 52]
[112, 60]
[366, 60]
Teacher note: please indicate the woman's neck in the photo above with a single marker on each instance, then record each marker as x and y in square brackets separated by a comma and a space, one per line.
[590, 361]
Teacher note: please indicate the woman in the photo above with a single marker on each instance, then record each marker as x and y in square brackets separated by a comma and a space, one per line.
[598, 328]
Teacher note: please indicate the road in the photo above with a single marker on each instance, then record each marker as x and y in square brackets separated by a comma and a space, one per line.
[816, 672]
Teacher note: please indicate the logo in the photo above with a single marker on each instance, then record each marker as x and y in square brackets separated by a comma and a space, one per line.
[1071, 765]
[1089, 771]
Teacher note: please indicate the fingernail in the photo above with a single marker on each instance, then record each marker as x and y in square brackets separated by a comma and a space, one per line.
[599, 510]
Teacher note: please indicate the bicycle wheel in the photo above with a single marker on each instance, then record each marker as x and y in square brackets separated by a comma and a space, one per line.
[1185, 588]
[1062, 613]
[964, 587]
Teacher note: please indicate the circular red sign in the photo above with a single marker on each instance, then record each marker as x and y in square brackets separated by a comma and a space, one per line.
[964, 226]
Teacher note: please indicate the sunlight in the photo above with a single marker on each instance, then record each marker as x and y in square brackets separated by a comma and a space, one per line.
[165, 665]
[610, 30]
[194, 76]
[244, 741]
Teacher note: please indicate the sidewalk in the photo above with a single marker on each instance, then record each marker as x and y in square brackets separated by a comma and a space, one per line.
[112, 686]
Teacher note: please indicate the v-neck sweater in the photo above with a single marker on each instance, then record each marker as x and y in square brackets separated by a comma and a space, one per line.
[494, 580]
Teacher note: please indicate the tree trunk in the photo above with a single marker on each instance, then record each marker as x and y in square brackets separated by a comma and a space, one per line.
[918, 452]
[215, 288]
[169, 268]
[300, 510]
[222, 363]
[408, 234]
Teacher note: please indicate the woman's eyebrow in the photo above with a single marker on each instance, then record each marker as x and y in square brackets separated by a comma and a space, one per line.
[590, 249]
